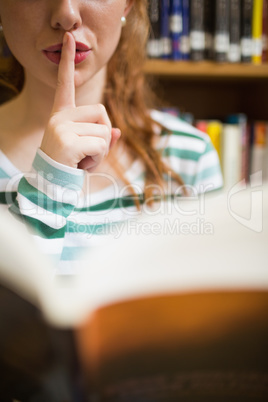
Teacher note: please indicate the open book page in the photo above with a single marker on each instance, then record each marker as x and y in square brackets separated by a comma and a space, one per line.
[174, 308]
[211, 242]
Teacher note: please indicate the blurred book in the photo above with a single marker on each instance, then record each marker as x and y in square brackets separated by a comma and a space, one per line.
[185, 35]
[240, 119]
[257, 31]
[246, 30]
[146, 315]
[231, 154]
[176, 28]
[221, 32]
[259, 154]
[209, 15]
[234, 53]
[154, 49]
[166, 45]
[197, 30]
[265, 31]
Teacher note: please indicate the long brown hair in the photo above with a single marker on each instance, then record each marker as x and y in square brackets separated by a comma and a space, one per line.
[128, 99]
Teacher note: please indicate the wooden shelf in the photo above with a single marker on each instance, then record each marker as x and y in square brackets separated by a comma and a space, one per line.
[206, 69]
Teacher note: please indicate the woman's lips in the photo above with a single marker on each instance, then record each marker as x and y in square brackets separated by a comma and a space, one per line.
[53, 53]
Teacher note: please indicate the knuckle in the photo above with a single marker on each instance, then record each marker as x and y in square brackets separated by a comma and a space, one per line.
[102, 146]
[101, 108]
[107, 132]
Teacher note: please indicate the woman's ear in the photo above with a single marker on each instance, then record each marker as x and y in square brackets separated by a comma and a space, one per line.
[129, 4]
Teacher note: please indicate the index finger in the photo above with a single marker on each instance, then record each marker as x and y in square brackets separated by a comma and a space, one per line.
[65, 89]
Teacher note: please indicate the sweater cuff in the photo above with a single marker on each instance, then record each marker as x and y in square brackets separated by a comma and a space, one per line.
[57, 173]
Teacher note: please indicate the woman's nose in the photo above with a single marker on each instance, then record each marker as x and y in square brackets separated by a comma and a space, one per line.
[65, 14]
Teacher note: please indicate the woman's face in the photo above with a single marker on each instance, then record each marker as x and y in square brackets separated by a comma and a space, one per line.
[34, 31]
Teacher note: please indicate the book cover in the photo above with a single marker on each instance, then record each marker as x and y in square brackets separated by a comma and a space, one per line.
[221, 32]
[246, 31]
[234, 54]
[154, 41]
[197, 30]
[166, 44]
[185, 35]
[257, 31]
[176, 28]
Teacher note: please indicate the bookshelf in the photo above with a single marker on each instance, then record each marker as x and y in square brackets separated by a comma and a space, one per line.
[209, 89]
[206, 69]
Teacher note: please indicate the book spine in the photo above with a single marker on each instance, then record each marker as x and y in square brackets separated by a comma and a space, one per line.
[221, 35]
[265, 168]
[231, 154]
[246, 28]
[202, 125]
[214, 130]
[165, 30]
[154, 41]
[185, 36]
[257, 32]
[240, 119]
[265, 31]
[234, 54]
[209, 12]
[258, 147]
[197, 32]
[176, 27]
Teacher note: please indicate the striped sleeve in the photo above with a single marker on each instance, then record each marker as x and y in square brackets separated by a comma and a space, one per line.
[208, 175]
[189, 152]
[46, 196]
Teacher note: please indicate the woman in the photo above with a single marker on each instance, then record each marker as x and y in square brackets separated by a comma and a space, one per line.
[63, 167]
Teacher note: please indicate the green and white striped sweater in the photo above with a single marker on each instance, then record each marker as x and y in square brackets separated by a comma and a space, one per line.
[67, 222]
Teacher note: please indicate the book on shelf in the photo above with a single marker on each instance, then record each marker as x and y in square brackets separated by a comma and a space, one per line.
[234, 53]
[197, 30]
[246, 30]
[221, 32]
[154, 41]
[240, 119]
[146, 317]
[176, 28]
[257, 31]
[231, 154]
[265, 31]
[214, 129]
[209, 12]
[185, 35]
[259, 149]
[242, 146]
[166, 44]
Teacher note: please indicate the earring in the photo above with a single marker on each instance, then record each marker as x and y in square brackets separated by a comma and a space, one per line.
[123, 21]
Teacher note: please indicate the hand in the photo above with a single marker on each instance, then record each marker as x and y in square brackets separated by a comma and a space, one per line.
[76, 136]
